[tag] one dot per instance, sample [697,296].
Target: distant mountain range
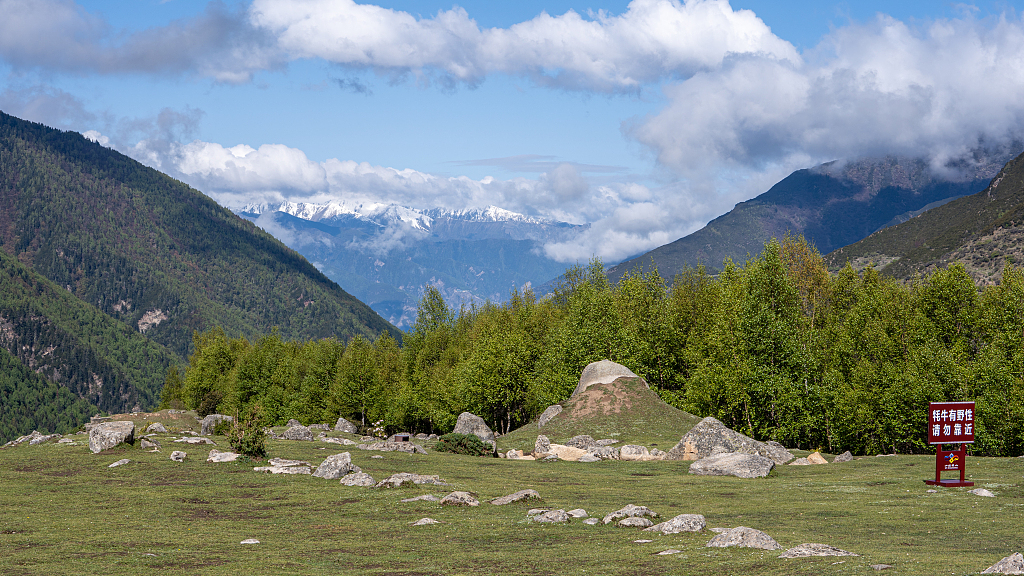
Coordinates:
[108,267]
[832,205]
[387,255]
[983,231]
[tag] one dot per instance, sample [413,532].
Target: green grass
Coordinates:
[65,512]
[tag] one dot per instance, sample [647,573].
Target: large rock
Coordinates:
[681,523]
[106,435]
[844,457]
[816,458]
[299,432]
[210,422]
[549,413]
[469,423]
[567,453]
[733,464]
[156,428]
[711,437]
[336,466]
[744,537]
[602,372]
[808,550]
[343,425]
[542,445]
[516,497]
[459,498]
[629,511]
[1013,564]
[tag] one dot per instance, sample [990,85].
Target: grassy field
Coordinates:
[65,512]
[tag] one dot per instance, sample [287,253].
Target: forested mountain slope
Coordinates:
[153,252]
[831,205]
[982,231]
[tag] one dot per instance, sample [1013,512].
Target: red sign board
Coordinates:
[951,423]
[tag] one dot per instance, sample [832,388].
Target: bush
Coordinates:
[209,403]
[467,444]
[223,428]
[247,436]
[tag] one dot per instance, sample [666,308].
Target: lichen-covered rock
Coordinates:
[293,422]
[156,428]
[629,511]
[343,425]
[209,423]
[578,513]
[178,456]
[542,445]
[1013,564]
[634,452]
[588,457]
[601,372]
[681,523]
[516,497]
[744,537]
[469,423]
[358,479]
[711,437]
[733,464]
[552,516]
[106,435]
[584,442]
[635,522]
[844,457]
[604,452]
[298,433]
[336,466]
[385,446]
[549,413]
[808,550]
[459,498]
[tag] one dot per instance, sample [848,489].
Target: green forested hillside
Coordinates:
[30,402]
[152,252]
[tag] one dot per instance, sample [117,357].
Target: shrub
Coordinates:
[223,428]
[209,403]
[247,436]
[467,444]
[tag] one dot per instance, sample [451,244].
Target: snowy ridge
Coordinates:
[388,214]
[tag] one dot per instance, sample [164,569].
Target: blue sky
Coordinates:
[645,119]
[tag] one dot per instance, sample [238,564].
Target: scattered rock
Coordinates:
[469,423]
[178,456]
[209,423]
[422,436]
[549,413]
[668,552]
[321,427]
[120,462]
[710,436]
[549,458]
[744,537]
[800,462]
[591,521]
[604,452]
[880,566]
[1013,564]
[982,492]
[343,425]
[733,464]
[514,454]
[156,428]
[681,523]
[423,498]
[719,530]
[250,541]
[386,446]
[424,522]
[342,441]
[642,541]
[516,497]
[552,516]
[376,457]
[635,522]
[397,480]
[634,452]
[844,457]
[578,513]
[606,442]
[66,441]
[358,479]
[195,440]
[602,372]
[34,439]
[584,442]
[459,498]
[336,466]
[106,435]
[146,444]
[218,456]
[298,433]
[542,445]
[816,458]
[535,511]
[282,466]
[806,550]
[586,458]
[629,511]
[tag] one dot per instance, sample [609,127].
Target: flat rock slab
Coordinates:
[386,446]
[635,522]
[342,441]
[218,456]
[669,552]
[106,435]
[286,462]
[629,511]
[121,462]
[1013,564]
[681,523]
[178,456]
[401,478]
[336,466]
[591,521]
[195,440]
[284,469]
[744,537]
[516,497]
[357,479]
[733,464]
[880,566]
[811,549]
[250,541]
[982,492]
[423,498]
[459,498]
[588,458]
[552,517]
[424,522]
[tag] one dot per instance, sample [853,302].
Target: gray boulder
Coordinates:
[146,444]
[210,422]
[106,435]
[629,511]
[1013,564]
[156,428]
[459,498]
[601,372]
[635,522]
[516,497]
[218,456]
[469,423]
[710,437]
[844,457]
[178,456]
[552,516]
[343,425]
[549,413]
[733,464]
[357,479]
[744,537]
[588,458]
[681,523]
[542,445]
[591,521]
[604,452]
[298,433]
[808,550]
[336,466]
[585,442]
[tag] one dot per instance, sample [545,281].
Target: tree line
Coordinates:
[777,348]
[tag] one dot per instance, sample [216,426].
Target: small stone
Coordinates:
[250,541]
[1013,564]
[669,552]
[844,457]
[377,457]
[681,523]
[146,444]
[817,458]
[642,541]
[549,458]
[635,522]
[459,498]
[218,456]
[424,522]
[516,497]
[401,478]
[744,537]
[194,440]
[719,530]
[358,479]
[808,550]
[578,513]
[423,498]
[120,462]
[629,511]
[931,491]
[65,441]
[591,521]
[880,566]
[552,516]
[982,492]
[178,456]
